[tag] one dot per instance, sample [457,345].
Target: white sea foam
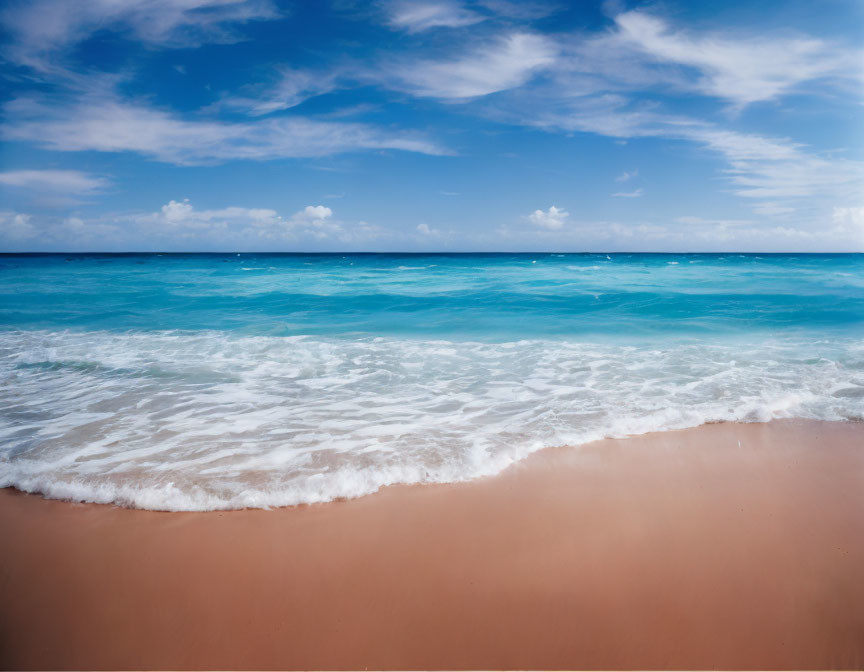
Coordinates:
[206,420]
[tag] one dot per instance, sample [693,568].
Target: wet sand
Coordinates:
[729,546]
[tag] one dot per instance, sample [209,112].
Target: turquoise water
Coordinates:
[225,380]
[485,297]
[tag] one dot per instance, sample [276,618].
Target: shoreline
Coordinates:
[515,464]
[732,545]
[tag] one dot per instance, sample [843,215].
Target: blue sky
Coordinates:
[440,125]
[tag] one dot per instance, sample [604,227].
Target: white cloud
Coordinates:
[81,231]
[315,212]
[714,230]
[850,222]
[508,62]
[21,230]
[644,52]
[623,177]
[630,194]
[778,173]
[233,225]
[523,10]
[693,234]
[414,16]
[42,29]
[182,217]
[110,125]
[292,88]
[552,219]
[777,168]
[16,226]
[179,225]
[315,221]
[740,69]
[845,234]
[771,209]
[58,181]
[426,230]
[691,219]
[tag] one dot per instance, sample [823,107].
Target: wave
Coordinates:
[182,420]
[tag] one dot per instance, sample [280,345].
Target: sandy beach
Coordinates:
[725,546]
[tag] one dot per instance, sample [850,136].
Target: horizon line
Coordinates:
[436,252]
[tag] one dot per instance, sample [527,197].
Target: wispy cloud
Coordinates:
[506,63]
[625,176]
[777,168]
[776,173]
[73,182]
[636,193]
[741,69]
[42,30]
[414,16]
[645,52]
[523,10]
[291,88]
[110,125]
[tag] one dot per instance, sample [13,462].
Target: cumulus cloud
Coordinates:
[625,176]
[850,221]
[239,225]
[314,213]
[413,16]
[16,225]
[315,220]
[424,229]
[179,225]
[552,219]
[111,125]
[26,231]
[505,63]
[183,216]
[57,181]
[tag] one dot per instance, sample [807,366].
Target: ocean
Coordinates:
[221,381]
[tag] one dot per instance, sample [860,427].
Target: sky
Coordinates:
[431,125]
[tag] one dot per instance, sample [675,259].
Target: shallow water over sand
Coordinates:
[196,382]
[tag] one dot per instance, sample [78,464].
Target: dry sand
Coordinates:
[730,546]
